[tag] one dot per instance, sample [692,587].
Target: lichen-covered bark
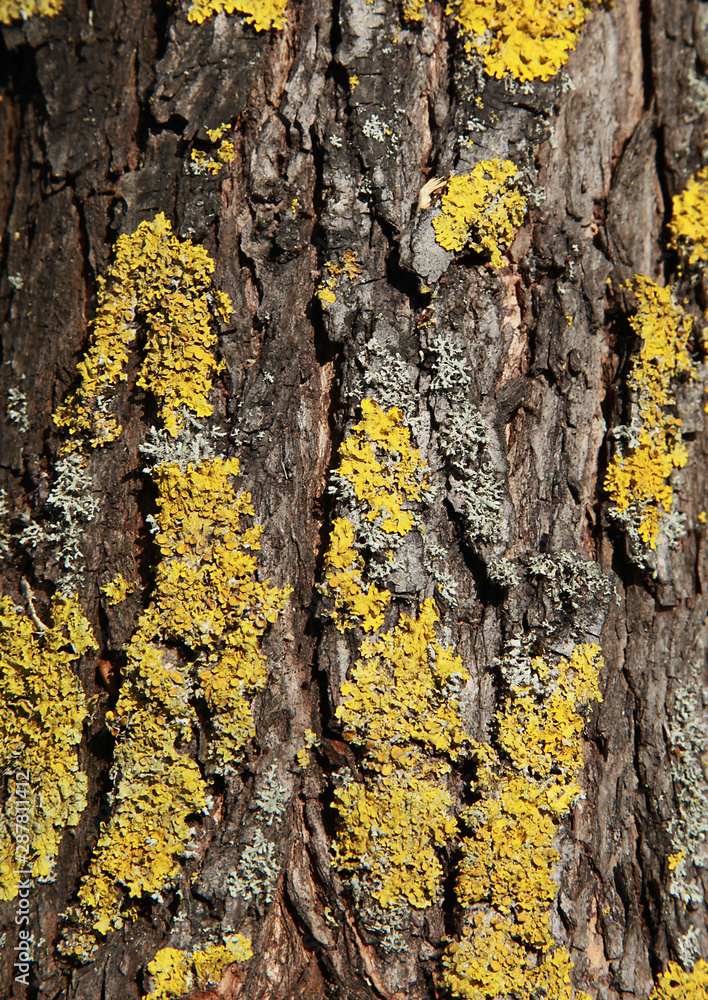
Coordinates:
[317,206]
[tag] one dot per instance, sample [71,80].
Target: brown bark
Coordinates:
[100,108]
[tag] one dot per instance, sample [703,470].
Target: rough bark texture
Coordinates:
[100,107]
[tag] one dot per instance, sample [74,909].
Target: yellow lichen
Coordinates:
[398,706]
[41,725]
[386,476]
[335,269]
[118,589]
[174,972]
[523,39]
[20,10]
[481,210]
[414,10]
[689,219]
[509,856]
[163,284]
[677,984]
[261,14]
[400,711]
[205,598]
[637,479]
[225,152]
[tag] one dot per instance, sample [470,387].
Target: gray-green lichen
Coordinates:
[257,871]
[71,506]
[476,490]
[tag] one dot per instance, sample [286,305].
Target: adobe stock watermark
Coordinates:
[19,810]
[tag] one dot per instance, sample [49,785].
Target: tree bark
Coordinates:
[338,121]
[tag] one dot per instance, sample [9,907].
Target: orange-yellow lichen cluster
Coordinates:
[398,707]
[675,983]
[637,479]
[163,284]
[523,39]
[224,153]
[261,14]
[399,710]
[41,725]
[205,598]
[175,972]
[20,10]
[335,269]
[387,477]
[481,210]
[506,873]
[689,219]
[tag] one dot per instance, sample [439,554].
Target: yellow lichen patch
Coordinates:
[117,590]
[224,153]
[385,476]
[677,984]
[637,479]
[481,210]
[398,693]
[164,284]
[355,603]
[174,972]
[335,269]
[509,855]
[207,599]
[414,10]
[689,219]
[519,38]
[41,725]
[20,10]
[400,710]
[261,14]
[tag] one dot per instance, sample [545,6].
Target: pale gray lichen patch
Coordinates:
[257,871]
[191,445]
[72,506]
[272,797]
[475,489]
[16,408]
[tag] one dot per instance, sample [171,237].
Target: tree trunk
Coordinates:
[319,220]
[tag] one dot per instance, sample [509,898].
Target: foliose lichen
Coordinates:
[20,10]
[687,730]
[260,14]
[481,210]
[651,446]
[202,162]
[506,874]
[174,972]
[675,983]
[257,870]
[380,481]
[41,726]
[400,709]
[117,590]
[522,40]
[399,705]
[575,588]
[346,265]
[163,284]
[689,219]
[206,599]
[71,505]
[16,408]
[475,488]
[198,640]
